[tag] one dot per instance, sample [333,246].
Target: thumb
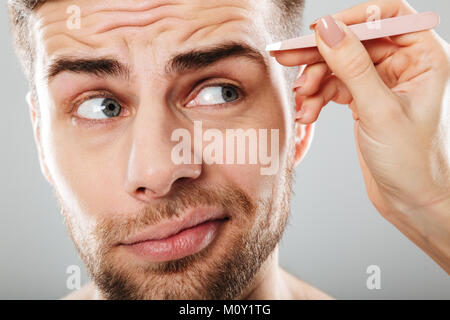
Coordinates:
[350,62]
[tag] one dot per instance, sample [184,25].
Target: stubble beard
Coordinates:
[205,275]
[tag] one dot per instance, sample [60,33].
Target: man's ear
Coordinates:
[304,134]
[303,137]
[35,121]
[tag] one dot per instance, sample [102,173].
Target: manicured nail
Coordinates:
[313,25]
[300,82]
[300,113]
[301,77]
[330,32]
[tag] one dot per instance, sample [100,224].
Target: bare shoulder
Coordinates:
[301,290]
[87,292]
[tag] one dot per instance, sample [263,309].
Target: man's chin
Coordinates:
[222,270]
[191,277]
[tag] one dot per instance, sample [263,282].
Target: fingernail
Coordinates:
[330,32]
[313,25]
[300,82]
[300,113]
[301,77]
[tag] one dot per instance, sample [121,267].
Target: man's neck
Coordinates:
[268,283]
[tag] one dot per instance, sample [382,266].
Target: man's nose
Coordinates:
[151,173]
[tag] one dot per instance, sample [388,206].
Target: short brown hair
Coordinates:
[286,22]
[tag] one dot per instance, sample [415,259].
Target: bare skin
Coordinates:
[72,148]
[83,159]
[398,91]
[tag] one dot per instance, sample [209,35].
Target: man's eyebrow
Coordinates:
[102,66]
[202,58]
[187,61]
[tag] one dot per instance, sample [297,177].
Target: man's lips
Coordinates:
[175,239]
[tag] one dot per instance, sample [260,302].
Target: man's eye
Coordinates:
[215,95]
[99,108]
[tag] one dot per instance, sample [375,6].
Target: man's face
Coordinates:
[112,93]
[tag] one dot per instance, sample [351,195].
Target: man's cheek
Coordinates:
[248,178]
[87,182]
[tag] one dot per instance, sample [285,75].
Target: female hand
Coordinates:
[399,91]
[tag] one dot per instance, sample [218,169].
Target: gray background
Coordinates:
[334,232]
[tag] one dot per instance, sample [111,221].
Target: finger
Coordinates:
[378,49]
[291,58]
[390,72]
[311,79]
[349,60]
[332,90]
[409,39]
[372,10]
[298,105]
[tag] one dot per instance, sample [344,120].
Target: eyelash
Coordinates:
[198,88]
[89,123]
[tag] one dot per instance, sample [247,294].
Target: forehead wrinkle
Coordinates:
[123,15]
[205,21]
[214,21]
[146,18]
[144,22]
[106,20]
[81,41]
[171,12]
[99,6]
[89,41]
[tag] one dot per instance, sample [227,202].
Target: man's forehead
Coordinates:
[165,27]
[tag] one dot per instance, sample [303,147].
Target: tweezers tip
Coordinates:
[273,47]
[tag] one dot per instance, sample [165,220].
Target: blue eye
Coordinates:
[215,95]
[99,108]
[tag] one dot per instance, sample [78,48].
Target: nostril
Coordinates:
[181,180]
[141,190]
